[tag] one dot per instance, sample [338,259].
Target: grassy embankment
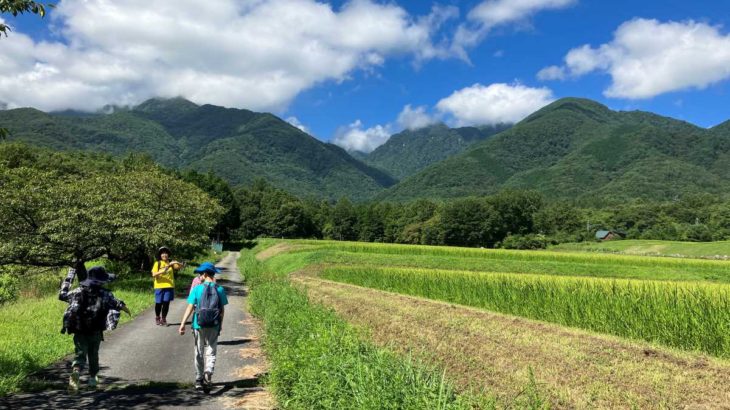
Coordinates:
[319,361]
[707,250]
[31,325]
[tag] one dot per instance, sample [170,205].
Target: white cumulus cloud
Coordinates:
[494,104]
[493,13]
[354,137]
[647,58]
[257,54]
[415,118]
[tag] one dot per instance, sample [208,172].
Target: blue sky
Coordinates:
[346,71]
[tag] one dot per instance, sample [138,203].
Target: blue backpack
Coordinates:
[209,307]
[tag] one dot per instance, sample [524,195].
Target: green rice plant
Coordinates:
[607,268]
[319,361]
[689,316]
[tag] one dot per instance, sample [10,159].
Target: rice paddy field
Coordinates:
[706,250]
[537,329]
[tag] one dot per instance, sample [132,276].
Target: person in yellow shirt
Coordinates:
[163,273]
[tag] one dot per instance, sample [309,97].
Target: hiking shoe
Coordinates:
[157,321]
[163,322]
[73,381]
[198,385]
[94,381]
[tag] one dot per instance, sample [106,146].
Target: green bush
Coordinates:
[525,242]
[8,288]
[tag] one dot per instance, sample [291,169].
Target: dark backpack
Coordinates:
[86,313]
[209,307]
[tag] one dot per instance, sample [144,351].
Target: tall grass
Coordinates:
[318,361]
[688,316]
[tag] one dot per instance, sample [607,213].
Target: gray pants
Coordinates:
[206,344]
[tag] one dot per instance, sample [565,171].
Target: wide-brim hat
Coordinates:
[163,249]
[97,276]
[207,267]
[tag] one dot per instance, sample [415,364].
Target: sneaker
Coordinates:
[73,381]
[157,321]
[94,381]
[207,376]
[198,385]
[163,322]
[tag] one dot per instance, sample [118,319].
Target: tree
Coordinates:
[470,222]
[16,7]
[219,189]
[84,206]
[343,221]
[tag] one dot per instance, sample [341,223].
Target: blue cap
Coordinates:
[207,267]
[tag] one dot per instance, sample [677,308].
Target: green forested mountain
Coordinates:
[577,148]
[239,145]
[410,151]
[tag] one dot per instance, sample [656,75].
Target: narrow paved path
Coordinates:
[145,366]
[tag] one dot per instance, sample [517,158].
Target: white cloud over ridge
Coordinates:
[494,104]
[647,58]
[257,54]
[415,118]
[294,121]
[354,138]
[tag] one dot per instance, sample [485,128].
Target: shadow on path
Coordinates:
[153,396]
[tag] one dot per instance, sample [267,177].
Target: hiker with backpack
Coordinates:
[163,273]
[206,301]
[92,309]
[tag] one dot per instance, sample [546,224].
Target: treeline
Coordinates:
[509,219]
[57,206]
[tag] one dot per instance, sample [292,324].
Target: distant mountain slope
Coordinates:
[410,151]
[577,148]
[239,145]
[116,133]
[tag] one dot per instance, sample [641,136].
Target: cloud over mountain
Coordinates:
[494,104]
[253,54]
[354,137]
[648,57]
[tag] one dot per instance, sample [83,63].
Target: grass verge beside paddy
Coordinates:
[31,338]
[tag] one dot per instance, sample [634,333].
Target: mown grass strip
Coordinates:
[688,316]
[318,361]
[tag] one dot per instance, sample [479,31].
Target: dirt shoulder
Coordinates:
[482,350]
